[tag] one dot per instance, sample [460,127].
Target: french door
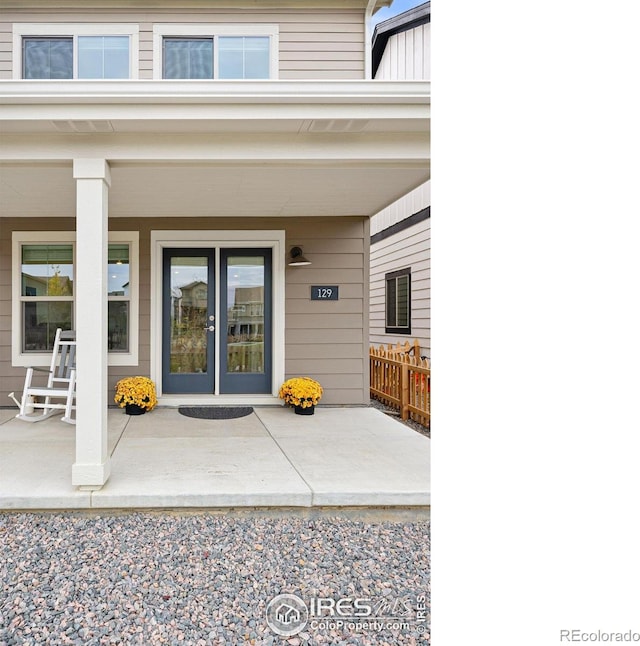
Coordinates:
[188,321]
[217,321]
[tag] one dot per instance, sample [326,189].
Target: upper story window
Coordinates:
[243,57]
[103,57]
[71,51]
[47,58]
[187,58]
[215,51]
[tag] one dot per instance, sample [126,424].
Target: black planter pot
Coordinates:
[134,409]
[310,410]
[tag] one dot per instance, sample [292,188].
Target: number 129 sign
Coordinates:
[324,292]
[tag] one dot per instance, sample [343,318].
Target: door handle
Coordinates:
[209,328]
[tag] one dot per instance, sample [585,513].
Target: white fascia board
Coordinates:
[165,114]
[32,101]
[213,92]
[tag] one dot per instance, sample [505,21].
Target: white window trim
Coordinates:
[25,359]
[211,31]
[23,29]
[275,239]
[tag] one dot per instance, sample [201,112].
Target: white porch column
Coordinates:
[91,469]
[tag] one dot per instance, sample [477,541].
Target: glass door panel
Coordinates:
[245,314]
[245,311]
[188,321]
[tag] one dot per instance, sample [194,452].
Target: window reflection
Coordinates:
[47,294]
[47,270]
[189,302]
[118,270]
[118,326]
[245,314]
[40,321]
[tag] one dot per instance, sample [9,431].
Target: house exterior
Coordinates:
[400,308]
[158,162]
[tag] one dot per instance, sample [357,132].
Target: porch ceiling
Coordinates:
[206,189]
[271,149]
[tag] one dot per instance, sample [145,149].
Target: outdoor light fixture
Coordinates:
[296,259]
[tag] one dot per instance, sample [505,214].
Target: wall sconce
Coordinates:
[296,259]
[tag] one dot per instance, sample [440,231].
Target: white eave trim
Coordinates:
[213,92]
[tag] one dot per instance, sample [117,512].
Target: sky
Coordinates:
[397,6]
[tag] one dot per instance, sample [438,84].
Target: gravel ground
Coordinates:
[168,578]
[423,430]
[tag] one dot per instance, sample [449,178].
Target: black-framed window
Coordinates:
[398,302]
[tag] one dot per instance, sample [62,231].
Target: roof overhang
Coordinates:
[241,148]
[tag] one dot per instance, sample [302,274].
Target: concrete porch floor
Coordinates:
[343,457]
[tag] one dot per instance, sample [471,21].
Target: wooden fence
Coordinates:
[401,379]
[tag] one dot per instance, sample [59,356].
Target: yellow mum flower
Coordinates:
[140,391]
[301,391]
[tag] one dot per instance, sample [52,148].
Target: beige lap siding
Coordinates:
[326,340]
[314,43]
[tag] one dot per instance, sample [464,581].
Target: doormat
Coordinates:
[215,412]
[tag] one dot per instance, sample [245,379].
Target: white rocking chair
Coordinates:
[61,383]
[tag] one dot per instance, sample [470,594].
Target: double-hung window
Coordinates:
[71,51]
[44,294]
[398,302]
[215,51]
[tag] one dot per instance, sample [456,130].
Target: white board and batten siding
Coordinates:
[313,43]
[402,208]
[407,55]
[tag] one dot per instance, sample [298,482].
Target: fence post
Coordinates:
[404,390]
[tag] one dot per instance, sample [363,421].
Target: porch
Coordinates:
[341,456]
[156,165]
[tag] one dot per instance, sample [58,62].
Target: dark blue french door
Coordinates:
[245,321]
[189,326]
[190,333]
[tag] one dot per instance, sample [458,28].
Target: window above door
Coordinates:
[75,51]
[215,51]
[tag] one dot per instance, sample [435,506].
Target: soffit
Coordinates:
[169,126]
[327,149]
[206,189]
